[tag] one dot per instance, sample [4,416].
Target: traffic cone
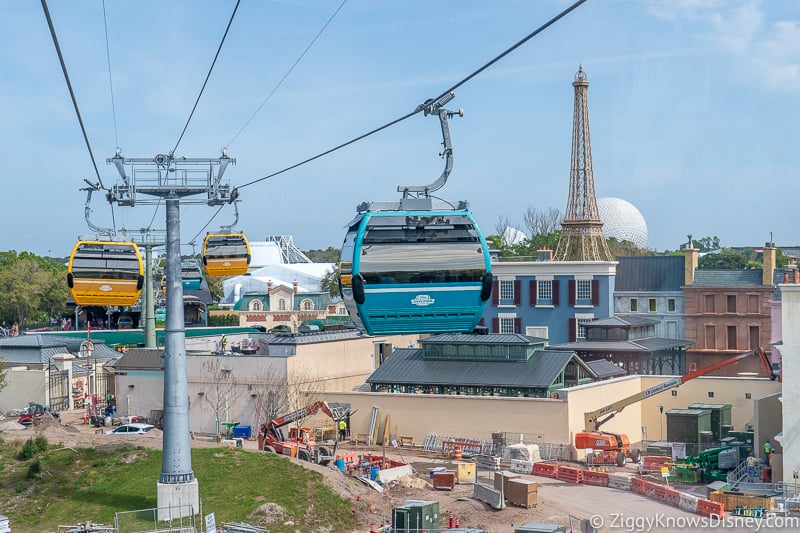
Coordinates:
[457,455]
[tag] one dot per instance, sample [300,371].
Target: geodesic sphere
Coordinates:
[622,221]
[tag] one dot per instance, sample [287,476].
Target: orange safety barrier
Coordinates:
[591,477]
[672,497]
[637,485]
[569,474]
[654,490]
[348,458]
[545,469]
[708,508]
[655,462]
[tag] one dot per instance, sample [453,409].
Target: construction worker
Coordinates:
[751,468]
[342,430]
[767,452]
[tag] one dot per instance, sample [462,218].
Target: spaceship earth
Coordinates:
[622,221]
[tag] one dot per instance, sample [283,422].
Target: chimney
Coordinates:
[785,276]
[543,254]
[269,285]
[796,278]
[294,286]
[689,264]
[768,264]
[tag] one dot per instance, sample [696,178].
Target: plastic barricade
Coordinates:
[592,477]
[545,470]
[688,502]
[654,490]
[708,508]
[521,466]
[655,462]
[637,485]
[569,474]
[672,497]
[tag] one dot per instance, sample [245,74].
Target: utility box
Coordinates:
[444,480]
[414,516]
[502,478]
[686,425]
[720,416]
[522,492]
[465,472]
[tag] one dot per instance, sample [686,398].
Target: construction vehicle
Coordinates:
[300,442]
[36,412]
[614,448]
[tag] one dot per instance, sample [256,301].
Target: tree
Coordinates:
[725,259]
[330,281]
[625,248]
[220,389]
[542,222]
[3,376]
[32,287]
[329,255]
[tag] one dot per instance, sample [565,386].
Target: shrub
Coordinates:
[34,470]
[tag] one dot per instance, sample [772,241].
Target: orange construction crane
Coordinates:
[300,442]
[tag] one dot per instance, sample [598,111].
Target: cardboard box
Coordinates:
[444,480]
[522,492]
[501,479]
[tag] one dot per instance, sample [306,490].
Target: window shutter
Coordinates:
[556,293]
[517,325]
[495,293]
[533,288]
[573,330]
[595,292]
[495,325]
[517,292]
[571,296]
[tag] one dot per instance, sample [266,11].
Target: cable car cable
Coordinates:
[192,240]
[427,103]
[211,68]
[71,91]
[110,82]
[277,85]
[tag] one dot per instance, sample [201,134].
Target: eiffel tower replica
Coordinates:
[582,230]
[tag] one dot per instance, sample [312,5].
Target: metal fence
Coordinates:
[184,519]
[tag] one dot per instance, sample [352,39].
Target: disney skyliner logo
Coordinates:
[422,300]
[692,523]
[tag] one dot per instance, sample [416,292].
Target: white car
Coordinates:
[5,524]
[136,428]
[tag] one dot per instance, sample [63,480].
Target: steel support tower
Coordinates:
[173,181]
[582,230]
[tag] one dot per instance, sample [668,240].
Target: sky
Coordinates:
[693,110]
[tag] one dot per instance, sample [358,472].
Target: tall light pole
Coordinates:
[661,421]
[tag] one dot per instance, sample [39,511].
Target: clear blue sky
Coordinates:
[693,110]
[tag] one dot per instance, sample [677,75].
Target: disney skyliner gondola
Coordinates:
[227,252]
[419,265]
[103,271]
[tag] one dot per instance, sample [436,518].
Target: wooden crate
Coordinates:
[731,500]
[522,492]
[501,479]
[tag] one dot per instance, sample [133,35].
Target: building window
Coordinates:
[634,305]
[308,305]
[536,331]
[255,305]
[710,394]
[281,305]
[731,299]
[709,303]
[752,303]
[652,305]
[711,338]
[581,323]
[731,337]
[544,292]
[583,290]
[507,325]
[341,311]
[754,337]
[671,305]
[506,290]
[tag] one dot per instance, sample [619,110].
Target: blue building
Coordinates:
[549,299]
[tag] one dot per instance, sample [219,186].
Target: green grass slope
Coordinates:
[43,486]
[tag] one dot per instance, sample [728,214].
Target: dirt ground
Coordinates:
[558,502]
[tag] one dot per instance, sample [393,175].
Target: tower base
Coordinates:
[177,500]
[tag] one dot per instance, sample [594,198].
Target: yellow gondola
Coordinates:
[226,254]
[164,284]
[105,273]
